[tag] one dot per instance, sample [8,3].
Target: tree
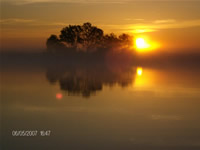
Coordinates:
[53,43]
[110,40]
[92,36]
[87,38]
[84,37]
[71,35]
[126,40]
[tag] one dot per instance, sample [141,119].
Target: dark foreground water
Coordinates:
[100,107]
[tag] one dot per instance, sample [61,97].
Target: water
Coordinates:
[101,108]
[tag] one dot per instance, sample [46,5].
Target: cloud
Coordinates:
[154,26]
[31,22]
[141,27]
[24,2]
[166,117]
[15,20]
[143,30]
[165,21]
[50,24]
[173,24]
[130,19]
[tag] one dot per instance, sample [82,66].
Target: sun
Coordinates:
[141,43]
[144,44]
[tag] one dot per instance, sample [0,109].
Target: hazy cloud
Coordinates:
[22,2]
[166,117]
[130,19]
[165,21]
[154,26]
[30,22]
[15,20]
[140,25]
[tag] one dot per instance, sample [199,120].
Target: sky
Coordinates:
[175,24]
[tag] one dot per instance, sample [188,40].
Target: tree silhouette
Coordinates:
[87,38]
[126,40]
[82,37]
[91,36]
[71,35]
[54,43]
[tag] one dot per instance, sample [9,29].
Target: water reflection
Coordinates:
[139,71]
[153,111]
[86,80]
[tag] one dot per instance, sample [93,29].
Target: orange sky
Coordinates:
[26,24]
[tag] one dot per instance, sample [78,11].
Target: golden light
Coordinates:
[139,71]
[144,78]
[143,44]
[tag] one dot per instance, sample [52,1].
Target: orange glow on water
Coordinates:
[144,78]
[139,71]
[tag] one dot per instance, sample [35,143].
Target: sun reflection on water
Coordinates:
[144,77]
[139,71]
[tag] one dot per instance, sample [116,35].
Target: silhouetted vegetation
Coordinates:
[86,80]
[87,38]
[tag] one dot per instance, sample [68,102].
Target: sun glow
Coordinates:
[139,71]
[144,78]
[143,44]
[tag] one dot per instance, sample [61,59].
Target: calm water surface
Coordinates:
[101,108]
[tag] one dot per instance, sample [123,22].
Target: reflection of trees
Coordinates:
[88,79]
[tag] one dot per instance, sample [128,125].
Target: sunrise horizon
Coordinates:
[100,74]
[170,30]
